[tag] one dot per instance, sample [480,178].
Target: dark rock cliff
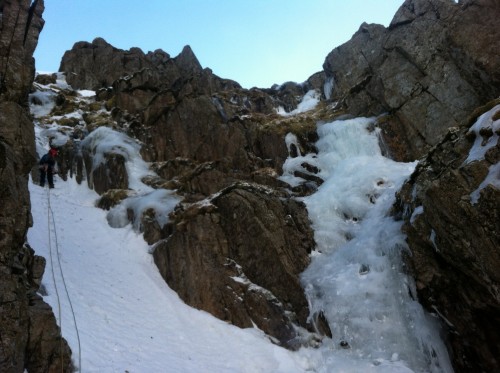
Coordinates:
[29,336]
[434,64]
[98,64]
[240,258]
[452,221]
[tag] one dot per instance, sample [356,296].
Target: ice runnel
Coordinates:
[356,276]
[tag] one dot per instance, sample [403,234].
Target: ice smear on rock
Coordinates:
[488,123]
[309,102]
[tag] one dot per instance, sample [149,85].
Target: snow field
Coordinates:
[127,316]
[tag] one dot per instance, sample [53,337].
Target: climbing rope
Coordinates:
[50,218]
[54,278]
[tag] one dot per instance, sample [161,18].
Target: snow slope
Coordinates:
[128,318]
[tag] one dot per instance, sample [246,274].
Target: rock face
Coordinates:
[98,65]
[455,240]
[240,257]
[29,336]
[429,69]
[179,110]
[111,174]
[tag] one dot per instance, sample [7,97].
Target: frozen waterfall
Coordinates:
[357,277]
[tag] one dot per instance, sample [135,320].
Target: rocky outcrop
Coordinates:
[237,227]
[98,65]
[429,69]
[179,110]
[451,216]
[110,174]
[29,336]
[238,256]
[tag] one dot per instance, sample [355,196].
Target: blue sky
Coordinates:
[255,42]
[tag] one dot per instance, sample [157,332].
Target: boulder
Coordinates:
[239,257]
[46,79]
[98,64]
[451,218]
[290,94]
[111,173]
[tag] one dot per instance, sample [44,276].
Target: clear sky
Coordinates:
[254,42]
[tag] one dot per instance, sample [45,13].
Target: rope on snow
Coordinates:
[50,218]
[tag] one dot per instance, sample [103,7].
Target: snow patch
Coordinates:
[104,140]
[481,145]
[485,123]
[56,136]
[86,93]
[61,81]
[309,102]
[162,201]
[127,316]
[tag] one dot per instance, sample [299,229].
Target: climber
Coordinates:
[47,167]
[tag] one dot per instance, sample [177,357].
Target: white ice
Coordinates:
[328,87]
[356,277]
[481,146]
[308,102]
